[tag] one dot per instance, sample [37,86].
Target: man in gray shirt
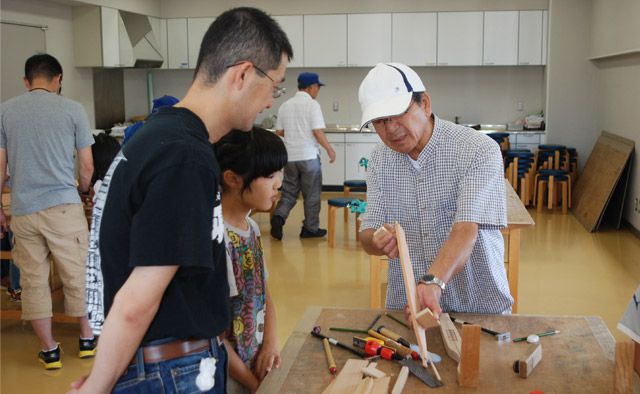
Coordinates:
[39,132]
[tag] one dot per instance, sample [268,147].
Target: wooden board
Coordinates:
[583,346]
[602,171]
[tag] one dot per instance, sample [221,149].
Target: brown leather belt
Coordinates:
[172,350]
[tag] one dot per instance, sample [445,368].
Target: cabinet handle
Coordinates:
[430,63]
[524,63]
[443,63]
[489,63]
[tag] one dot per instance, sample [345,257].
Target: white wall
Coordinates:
[572,107]
[77,82]
[615,30]
[475,94]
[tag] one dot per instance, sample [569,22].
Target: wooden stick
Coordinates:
[400,381]
[469,366]
[623,373]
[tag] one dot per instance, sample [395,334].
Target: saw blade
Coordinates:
[419,372]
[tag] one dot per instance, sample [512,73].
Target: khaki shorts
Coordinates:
[62,232]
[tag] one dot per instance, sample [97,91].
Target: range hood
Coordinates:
[138,44]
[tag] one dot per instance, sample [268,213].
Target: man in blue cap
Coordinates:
[301,124]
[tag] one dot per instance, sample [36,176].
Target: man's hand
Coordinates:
[384,239]
[268,358]
[429,297]
[76,385]
[332,155]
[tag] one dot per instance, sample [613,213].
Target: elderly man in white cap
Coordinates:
[444,184]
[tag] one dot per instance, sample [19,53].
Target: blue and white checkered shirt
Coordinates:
[460,179]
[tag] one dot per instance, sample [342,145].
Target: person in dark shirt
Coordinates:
[157,255]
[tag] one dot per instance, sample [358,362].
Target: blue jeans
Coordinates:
[173,376]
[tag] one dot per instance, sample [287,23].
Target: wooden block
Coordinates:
[426,319]
[380,232]
[373,372]
[623,373]
[349,377]
[450,337]
[469,367]
[400,381]
[381,386]
[533,357]
[365,386]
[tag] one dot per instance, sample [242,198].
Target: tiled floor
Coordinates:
[564,271]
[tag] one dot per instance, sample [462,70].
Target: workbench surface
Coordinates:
[579,359]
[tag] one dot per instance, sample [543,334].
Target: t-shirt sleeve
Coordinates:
[374,215]
[317,120]
[83,134]
[175,224]
[481,197]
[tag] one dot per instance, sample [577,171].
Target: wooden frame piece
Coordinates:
[348,378]
[469,366]
[623,372]
[450,337]
[410,290]
[525,367]
[400,381]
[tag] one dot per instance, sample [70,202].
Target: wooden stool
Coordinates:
[334,204]
[355,185]
[550,179]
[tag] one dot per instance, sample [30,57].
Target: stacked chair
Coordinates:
[502,139]
[556,170]
[520,171]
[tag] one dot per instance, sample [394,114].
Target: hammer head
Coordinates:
[505,336]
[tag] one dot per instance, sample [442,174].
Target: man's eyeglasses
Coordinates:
[386,121]
[277,90]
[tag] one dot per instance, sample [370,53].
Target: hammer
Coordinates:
[500,336]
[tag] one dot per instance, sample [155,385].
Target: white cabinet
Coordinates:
[530,38]
[414,38]
[500,38]
[333,173]
[109,18]
[159,28]
[545,26]
[177,50]
[325,40]
[196,28]
[358,146]
[368,39]
[293,26]
[460,38]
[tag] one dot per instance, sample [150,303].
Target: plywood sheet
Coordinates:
[598,180]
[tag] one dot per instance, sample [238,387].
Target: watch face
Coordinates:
[428,277]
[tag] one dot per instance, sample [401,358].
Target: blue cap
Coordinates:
[308,79]
[164,101]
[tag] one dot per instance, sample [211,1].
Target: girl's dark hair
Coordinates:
[103,150]
[254,154]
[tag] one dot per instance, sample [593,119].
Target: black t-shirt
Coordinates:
[163,209]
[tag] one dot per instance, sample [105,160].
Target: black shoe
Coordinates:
[51,359]
[87,347]
[304,233]
[276,227]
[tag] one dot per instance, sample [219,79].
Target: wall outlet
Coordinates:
[520,106]
[336,106]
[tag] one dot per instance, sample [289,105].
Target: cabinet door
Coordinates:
[159,28]
[325,40]
[545,26]
[368,39]
[530,38]
[293,27]
[460,38]
[177,50]
[500,38]
[196,28]
[333,173]
[124,45]
[110,37]
[354,152]
[414,38]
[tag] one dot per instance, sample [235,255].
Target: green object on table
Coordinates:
[348,330]
[543,334]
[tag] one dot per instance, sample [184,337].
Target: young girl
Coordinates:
[250,164]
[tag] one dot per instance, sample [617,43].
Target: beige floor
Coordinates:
[564,271]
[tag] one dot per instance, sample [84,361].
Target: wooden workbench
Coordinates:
[518,218]
[577,360]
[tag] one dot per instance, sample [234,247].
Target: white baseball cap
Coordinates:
[387,90]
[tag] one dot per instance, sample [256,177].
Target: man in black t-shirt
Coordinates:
[156,266]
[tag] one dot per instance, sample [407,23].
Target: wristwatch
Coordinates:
[429,279]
